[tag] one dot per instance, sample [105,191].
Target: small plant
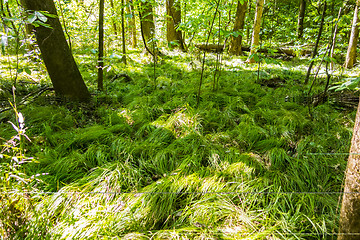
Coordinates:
[15,202]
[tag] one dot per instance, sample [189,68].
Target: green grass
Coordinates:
[238,166]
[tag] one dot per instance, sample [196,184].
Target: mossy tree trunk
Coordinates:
[350,208]
[300,26]
[236,41]
[173,35]
[255,39]
[55,52]
[351,51]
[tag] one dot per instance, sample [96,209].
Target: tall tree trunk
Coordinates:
[300,26]
[350,208]
[147,23]
[351,51]
[255,39]
[173,10]
[55,52]
[132,23]
[236,42]
[123,31]
[101,46]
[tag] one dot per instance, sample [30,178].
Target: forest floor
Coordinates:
[143,160]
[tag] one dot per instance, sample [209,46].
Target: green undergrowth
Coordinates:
[143,161]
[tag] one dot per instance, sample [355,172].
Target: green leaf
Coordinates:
[31,18]
[28,71]
[41,17]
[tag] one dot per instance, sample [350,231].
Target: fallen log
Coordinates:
[279,50]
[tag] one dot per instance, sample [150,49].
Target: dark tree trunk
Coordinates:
[55,52]
[147,21]
[301,17]
[123,31]
[350,208]
[101,46]
[236,42]
[173,10]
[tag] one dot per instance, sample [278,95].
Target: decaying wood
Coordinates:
[279,50]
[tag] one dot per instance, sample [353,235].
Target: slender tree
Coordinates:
[55,52]
[101,46]
[255,39]
[113,17]
[314,53]
[173,10]
[300,26]
[351,51]
[123,31]
[236,41]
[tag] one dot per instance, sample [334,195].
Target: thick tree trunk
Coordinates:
[255,39]
[236,42]
[300,27]
[55,52]
[351,52]
[350,208]
[173,10]
[147,21]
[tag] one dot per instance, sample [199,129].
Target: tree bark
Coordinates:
[123,31]
[255,39]
[300,27]
[351,51]
[350,208]
[236,42]
[173,35]
[147,22]
[55,52]
[132,23]
[101,46]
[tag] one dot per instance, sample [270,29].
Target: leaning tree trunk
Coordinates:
[351,52]
[300,27]
[255,40]
[173,35]
[236,41]
[55,52]
[349,228]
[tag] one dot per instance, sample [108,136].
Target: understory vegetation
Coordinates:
[142,161]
